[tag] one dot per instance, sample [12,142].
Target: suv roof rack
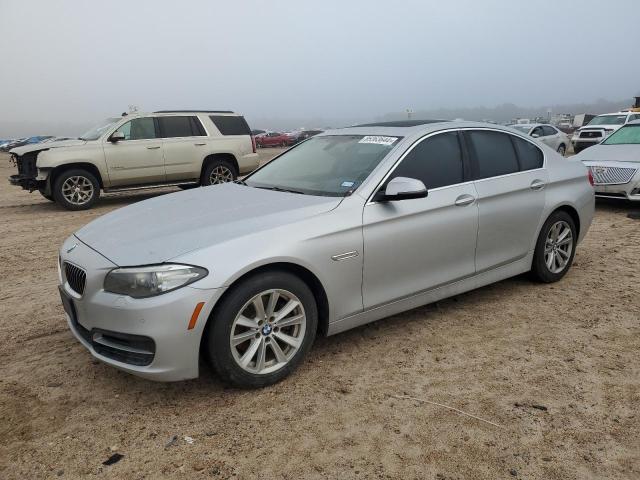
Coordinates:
[193,111]
[400,123]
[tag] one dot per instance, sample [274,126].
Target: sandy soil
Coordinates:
[571,349]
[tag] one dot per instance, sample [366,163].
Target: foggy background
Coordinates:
[284,64]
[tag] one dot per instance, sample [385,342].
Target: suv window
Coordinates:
[231,125]
[437,161]
[174,126]
[139,129]
[548,130]
[494,153]
[530,156]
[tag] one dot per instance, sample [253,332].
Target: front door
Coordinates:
[415,245]
[138,159]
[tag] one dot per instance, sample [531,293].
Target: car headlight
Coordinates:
[152,280]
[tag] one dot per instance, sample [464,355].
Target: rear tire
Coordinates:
[272,340]
[555,248]
[217,172]
[76,189]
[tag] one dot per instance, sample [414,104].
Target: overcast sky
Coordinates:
[78,61]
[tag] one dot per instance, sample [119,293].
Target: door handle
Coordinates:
[464,200]
[153,147]
[199,144]
[537,185]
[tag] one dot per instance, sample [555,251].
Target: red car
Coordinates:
[273,139]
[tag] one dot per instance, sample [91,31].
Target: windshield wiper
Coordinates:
[280,189]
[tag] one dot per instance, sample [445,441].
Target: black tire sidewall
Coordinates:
[60,179]
[219,328]
[539,267]
[206,173]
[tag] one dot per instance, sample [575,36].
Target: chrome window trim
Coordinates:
[458,129]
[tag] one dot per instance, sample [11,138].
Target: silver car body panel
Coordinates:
[372,259]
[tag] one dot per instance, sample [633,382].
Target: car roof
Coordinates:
[613,114]
[194,111]
[406,131]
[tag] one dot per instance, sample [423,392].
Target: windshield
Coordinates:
[629,135]
[522,128]
[97,131]
[608,120]
[331,165]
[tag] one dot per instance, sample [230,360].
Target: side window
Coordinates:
[230,125]
[437,161]
[179,127]
[549,131]
[537,131]
[493,152]
[139,129]
[530,156]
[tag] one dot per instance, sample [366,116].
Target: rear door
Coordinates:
[510,181]
[184,142]
[419,244]
[138,159]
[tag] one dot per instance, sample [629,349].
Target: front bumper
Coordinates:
[627,188]
[146,337]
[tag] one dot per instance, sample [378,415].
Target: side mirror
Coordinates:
[116,136]
[402,188]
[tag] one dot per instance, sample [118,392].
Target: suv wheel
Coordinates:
[76,189]
[218,171]
[555,248]
[262,330]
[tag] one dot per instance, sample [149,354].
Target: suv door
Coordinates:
[184,141]
[138,158]
[510,181]
[416,245]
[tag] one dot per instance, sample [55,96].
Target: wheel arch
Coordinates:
[212,157]
[572,212]
[306,275]
[56,171]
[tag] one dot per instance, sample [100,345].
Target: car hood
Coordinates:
[604,153]
[36,147]
[162,228]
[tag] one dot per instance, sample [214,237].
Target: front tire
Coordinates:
[555,248]
[48,197]
[262,330]
[76,189]
[217,172]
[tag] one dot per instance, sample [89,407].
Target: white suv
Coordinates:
[184,148]
[599,128]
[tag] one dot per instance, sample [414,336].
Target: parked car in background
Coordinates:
[183,148]
[256,132]
[547,134]
[272,139]
[348,227]
[615,163]
[599,128]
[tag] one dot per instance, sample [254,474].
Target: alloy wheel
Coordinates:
[220,174]
[558,246]
[77,190]
[268,331]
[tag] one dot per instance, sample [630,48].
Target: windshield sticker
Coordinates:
[348,184]
[378,140]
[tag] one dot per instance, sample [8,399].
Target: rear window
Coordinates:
[230,125]
[177,126]
[530,156]
[494,153]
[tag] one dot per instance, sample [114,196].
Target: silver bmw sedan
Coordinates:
[348,227]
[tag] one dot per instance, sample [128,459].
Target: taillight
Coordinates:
[590,175]
[253,143]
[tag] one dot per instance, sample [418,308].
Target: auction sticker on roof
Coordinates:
[378,140]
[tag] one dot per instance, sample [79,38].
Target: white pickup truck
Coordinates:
[599,128]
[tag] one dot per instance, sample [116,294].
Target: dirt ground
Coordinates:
[556,368]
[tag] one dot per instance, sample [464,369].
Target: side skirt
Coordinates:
[485,278]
